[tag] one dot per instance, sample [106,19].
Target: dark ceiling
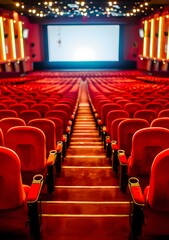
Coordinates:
[70,8]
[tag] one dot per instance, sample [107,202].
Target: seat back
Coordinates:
[114,129]
[7,123]
[154,106]
[106,108]
[18,107]
[28,115]
[8,113]
[156,197]
[63,107]
[147,114]
[164,113]
[59,127]
[158,193]
[126,129]
[160,122]
[49,128]
[146,144]
[112,115]
[131,108]
[12,193]
[42,108]
[30,145]
[62,115]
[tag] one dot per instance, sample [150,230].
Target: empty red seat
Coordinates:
[8,113]
[154,106]
[7,123]
[30,145]
[18,202]
[151,208]
[160,122]
[163,113]
[18,107]
[29,114]
[49,128]
[146,144]
[42,108]
[147,114]
[131,108]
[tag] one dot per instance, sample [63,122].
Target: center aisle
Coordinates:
[87,203]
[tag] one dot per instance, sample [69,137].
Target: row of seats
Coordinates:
[135,138]
[33,143]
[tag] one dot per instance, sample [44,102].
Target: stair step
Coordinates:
[87,176]
[85,139]
[80,135]
[82,130]
[86,161]
[83,143]
[85,207]
[86,194]
[86,150]
[82,227]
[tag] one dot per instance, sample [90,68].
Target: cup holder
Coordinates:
[52,152]
[121,152]
[38,178]
[133,181]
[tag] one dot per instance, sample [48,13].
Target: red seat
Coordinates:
[8,102]
[147,114]
[62,115]
[30,145]
[3,106]
[59,133]
[111,116]
[7,123]
[160,122]
[42,108]
[126,130]
[28,102]
[49,128]
[28,115]
[18,202]
[105,108]
[163,113]
[18,107]
[131,108]
[8,113]
[154,106]
[146,144]
[152,208]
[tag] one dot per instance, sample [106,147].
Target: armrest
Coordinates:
[104,129]
[68,129]
[52,158]
[96,115]
[70,123]
[122,157]
[59,146]
[114,145]
[99,121]
[136,191]
[35,189]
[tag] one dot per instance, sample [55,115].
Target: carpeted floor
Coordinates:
[87,203]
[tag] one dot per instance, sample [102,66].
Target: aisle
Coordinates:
[87,203]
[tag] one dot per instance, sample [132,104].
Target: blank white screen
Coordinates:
[83,43]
